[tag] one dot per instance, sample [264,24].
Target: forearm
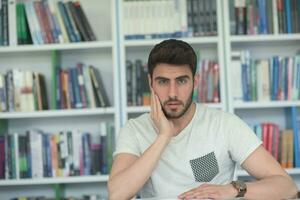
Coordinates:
[274,187]
[128,182]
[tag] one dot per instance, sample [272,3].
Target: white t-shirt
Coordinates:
[206,150]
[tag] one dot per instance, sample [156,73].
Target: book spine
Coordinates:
[66,21]
[288,14]
[78,21]
[72,22]
[40,17]
[86,23]
[10,22]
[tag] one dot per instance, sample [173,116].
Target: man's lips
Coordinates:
[173,105]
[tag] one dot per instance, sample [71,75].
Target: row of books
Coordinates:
[202,17]
[208,89]
[288,14]
[138,92]
[249,17]
[275,78]
[44,22]
[22,91]
[80,87]
[38,154]
[84,197]
[280,144]
[177,18]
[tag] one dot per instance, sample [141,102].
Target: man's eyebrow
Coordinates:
[182,77]
[177,78]
[161,78]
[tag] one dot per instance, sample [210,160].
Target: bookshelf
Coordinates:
[261,46]
[103,55]
[208,47]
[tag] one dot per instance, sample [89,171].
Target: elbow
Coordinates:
[115,193]
[112,193]
[294,190]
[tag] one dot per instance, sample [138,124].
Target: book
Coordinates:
[85,21]
[99,89]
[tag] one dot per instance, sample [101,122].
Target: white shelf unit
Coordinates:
[58,180]
[264,38]
[59,113]
[292,171]
[103,55]
[260,46]
[210,47]
[57,47]
[266,104]
[148,42]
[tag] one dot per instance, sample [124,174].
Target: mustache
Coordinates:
[172,100]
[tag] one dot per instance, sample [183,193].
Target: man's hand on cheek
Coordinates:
[162,124]
[210,191]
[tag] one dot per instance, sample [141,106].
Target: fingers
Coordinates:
[187,193]
[204,191]
[158,106]
[153,104]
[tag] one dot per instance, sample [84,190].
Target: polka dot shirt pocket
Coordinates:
[205,168]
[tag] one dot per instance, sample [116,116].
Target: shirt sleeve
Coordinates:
[127,141]
[242,141]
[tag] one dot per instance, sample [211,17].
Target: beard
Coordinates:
[181,110]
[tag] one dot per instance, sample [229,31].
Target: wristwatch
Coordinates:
[240,186]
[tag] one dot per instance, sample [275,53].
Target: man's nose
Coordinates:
[173,89]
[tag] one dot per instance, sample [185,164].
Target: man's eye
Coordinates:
[162,82]
[182,81]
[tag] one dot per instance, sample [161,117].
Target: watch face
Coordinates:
[241,185]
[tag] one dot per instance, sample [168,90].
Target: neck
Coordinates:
[183,121]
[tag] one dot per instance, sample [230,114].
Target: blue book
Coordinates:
[71,91]
[275,77]
[49,156]
[288,13]
[66,21]
[263,27]
[76,89]
[86,143]
[292,123]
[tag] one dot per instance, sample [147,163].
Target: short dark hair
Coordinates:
[172,51]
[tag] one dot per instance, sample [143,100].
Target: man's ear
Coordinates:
[196,80]
[149,81]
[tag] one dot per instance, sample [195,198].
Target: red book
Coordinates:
[270,137]
[276,142]
[265,135]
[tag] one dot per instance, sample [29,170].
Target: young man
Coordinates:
[186,150]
